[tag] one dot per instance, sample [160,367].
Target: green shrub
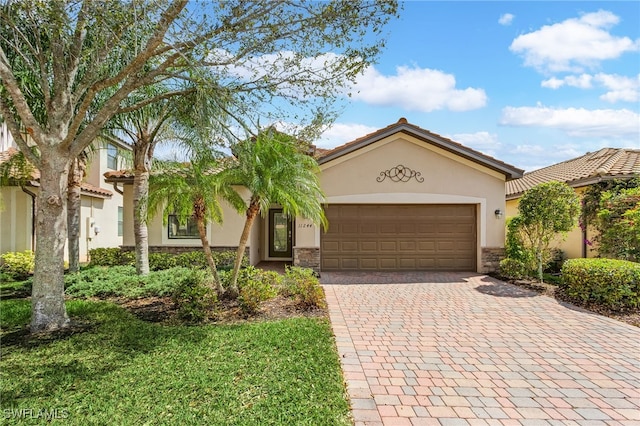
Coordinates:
[611,283]
[303,285]
[194,299]
[18,265]
[192,259]
[513,268]
[111,256]
[255,286]
[122,281]
[104,281]
[161,261]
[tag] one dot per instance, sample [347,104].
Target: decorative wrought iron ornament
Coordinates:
[400,173]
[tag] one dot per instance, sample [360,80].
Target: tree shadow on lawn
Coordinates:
[102,338]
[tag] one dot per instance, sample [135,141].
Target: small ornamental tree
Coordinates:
[546,210]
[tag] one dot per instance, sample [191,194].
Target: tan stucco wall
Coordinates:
[448,179]
[571,245]
[226,234]
[15,220]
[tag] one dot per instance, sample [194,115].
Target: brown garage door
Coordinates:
[400,237]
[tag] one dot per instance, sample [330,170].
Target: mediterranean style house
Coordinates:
[101,212]
[579,173]
[400,198]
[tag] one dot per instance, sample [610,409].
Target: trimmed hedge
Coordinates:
[611,283]
[114,256]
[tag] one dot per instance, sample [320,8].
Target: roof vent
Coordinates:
[402,120]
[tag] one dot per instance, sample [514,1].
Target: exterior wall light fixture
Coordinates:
[499,214]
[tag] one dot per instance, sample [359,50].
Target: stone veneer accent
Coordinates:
[490,259]
[307,257]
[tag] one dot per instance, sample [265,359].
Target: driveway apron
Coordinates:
[463,349]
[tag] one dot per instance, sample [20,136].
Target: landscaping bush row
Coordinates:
[611,283]
[191,288]
[115,256]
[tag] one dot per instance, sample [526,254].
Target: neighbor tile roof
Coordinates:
[607,163]
[85,187]
[402,125]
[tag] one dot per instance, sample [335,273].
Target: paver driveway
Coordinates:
[456,349]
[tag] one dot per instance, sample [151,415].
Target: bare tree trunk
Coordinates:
[142,156]
[76,174]
[48,311]
[252,213]
[202,230]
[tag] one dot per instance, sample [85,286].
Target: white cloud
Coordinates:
[620,88]
[281,68]
[553,83]
[506,19]
[626,89]
[417,89]
[340,133]
[578,122]
[480,141]
[574,44]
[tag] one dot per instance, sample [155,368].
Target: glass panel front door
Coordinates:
[280,237]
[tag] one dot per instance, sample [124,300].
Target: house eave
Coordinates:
[590,180]
[508,171]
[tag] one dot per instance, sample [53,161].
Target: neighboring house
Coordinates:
[101,215]
[401,198]
[579,173]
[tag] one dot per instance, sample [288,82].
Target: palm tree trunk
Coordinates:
[202,230]
[76,173]
[142,156]
[48,311]
[252,213]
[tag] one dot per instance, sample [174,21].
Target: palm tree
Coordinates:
[194,190]
[145,128]
[276,169]
[169,118]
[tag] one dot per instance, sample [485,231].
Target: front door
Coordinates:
[280,234]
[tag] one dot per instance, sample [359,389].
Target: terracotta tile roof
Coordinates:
[402,125]
[85,188]
[607,163]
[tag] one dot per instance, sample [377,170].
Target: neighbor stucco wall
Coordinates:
[448,179]
[15,222]
[15,219]
[102,213]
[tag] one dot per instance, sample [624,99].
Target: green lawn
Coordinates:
[124,371]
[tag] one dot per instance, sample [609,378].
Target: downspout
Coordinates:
[33,216]
[118,190]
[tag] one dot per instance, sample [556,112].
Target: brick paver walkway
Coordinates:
[460,349]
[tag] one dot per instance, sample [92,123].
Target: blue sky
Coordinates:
[530,83]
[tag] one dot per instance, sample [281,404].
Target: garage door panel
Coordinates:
[368,263]
[400,237]
[389,263]
[407,246]
[368,246]
[388,246]
[349,246]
